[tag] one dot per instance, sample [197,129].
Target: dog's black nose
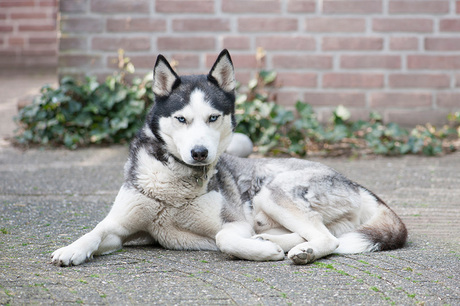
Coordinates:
[199,153]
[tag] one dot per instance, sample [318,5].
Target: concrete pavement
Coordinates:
[51,197]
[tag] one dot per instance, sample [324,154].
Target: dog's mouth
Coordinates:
[198,165]
[195,163]
[198,156]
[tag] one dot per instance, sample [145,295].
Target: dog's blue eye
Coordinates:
[213,118]
[181,119]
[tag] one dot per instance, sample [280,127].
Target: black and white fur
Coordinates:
[182,191]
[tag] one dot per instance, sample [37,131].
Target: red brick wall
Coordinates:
[28,33]
[401,58]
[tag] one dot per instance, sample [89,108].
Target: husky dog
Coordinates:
[183,192]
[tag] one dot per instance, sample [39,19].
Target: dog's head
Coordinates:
[194,115]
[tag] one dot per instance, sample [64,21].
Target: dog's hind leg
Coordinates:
[123,221]
[235,239]
[308,224]
[382,228]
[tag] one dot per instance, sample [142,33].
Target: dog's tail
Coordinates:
[384,230]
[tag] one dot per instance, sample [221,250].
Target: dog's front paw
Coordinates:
[265,250]
[302,255]
[271,251]
[69,256]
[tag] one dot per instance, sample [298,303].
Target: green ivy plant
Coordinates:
[276,130]
[79,114]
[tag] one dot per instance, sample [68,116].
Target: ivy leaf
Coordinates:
[252,84]
[267,76]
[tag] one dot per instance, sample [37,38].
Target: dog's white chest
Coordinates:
[162,183]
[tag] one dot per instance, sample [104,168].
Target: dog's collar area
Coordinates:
[201,179]
[202,171]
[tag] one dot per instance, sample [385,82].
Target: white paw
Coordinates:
[277,253]
[70,256]
[269,251]
[302,255]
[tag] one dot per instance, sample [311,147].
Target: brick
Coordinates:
[16,41]
[301,6]
[120,6]
[326,24]
[352,43]
[352,7]
[236,42]
[47,3]
[400,99]
[51,51]
[449,25]
[442,43]
[400,80]
[243,77]
[37,28]
[302,61]
[73,43]
[82,25]
[418,7]
[352,80]
[370,61]
[17,3]
[286,43]
[6,28]
[349,99]
[202,24]
[7,52]
[287,98]
[448,99]
[186,43]
[273,24]
[38,61]
[80,60]
[126,43]
[73,6]
[43,40]
[185,6]
[418,25]
[136,25]
[187,61]
[255,7]
[294,79]
[447,62]
[403,43]
[240,61]
[457,7]
[28,15]
[411,117]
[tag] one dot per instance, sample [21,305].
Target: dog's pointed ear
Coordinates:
[222,72]
[164,77]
